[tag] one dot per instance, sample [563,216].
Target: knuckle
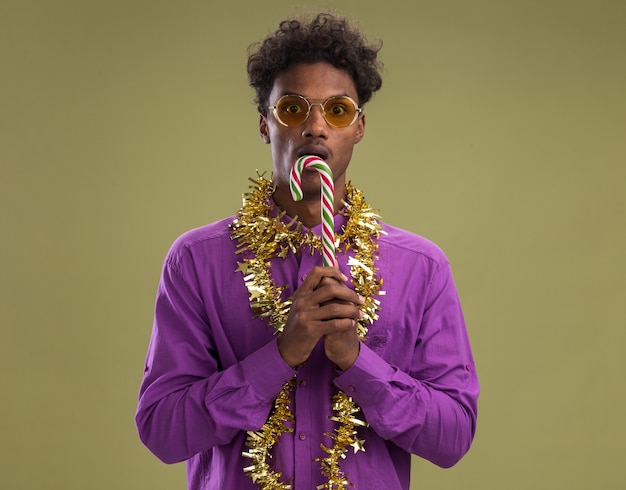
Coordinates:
[335,310]
[341,324]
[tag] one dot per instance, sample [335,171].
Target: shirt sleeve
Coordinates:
[187,402]
[430,409]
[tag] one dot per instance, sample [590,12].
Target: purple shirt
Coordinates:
[213,370]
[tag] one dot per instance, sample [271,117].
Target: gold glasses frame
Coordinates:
[323,105]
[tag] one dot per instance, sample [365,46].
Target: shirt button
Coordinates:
[303,277]
[302,436]
[302,383]
[351,389]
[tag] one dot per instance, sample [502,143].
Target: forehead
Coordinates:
[313,81]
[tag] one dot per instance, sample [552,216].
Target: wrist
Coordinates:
[347,360]
[294,362]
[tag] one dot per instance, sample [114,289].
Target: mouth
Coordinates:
[314,151]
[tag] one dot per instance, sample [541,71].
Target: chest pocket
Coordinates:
[378,335]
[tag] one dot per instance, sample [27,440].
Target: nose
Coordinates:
[315,125]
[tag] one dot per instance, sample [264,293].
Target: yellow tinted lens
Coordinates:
[340,111]
[291,110]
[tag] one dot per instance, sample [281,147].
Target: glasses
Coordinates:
[293,110]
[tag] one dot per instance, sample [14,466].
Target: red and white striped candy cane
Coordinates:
[327,201]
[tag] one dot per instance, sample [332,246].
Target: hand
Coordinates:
[322,307]
[342,347]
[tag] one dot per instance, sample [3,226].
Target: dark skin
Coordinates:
[324,307]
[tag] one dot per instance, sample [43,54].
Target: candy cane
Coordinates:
[327,201]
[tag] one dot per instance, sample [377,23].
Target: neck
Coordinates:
[308,209]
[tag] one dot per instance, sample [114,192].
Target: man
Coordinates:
[267,370]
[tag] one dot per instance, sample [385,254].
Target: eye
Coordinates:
[293,108]
[337,109]
[340,107]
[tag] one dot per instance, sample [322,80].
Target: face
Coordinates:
[317,82]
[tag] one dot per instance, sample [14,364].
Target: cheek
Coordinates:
[280,138]
[347,145]
[274,132]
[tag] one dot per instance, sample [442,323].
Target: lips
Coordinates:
[314,150]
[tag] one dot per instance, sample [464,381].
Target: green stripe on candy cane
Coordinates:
[326,200]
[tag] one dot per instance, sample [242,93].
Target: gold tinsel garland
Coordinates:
[261,237]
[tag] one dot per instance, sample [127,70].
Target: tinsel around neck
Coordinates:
[263,232]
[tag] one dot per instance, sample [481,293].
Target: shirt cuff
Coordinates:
[366,377]
[266,371]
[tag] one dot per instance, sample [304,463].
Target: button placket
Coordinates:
[302,426]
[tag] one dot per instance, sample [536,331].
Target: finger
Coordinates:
[331,311]
[338,326]
[331,290]
[319,274]
[328,280]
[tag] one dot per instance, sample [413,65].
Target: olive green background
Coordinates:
[500,133]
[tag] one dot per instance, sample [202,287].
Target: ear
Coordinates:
[360,129]
[263,129]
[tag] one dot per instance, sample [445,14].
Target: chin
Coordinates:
[311,181]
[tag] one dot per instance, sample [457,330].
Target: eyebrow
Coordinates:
[342,94]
